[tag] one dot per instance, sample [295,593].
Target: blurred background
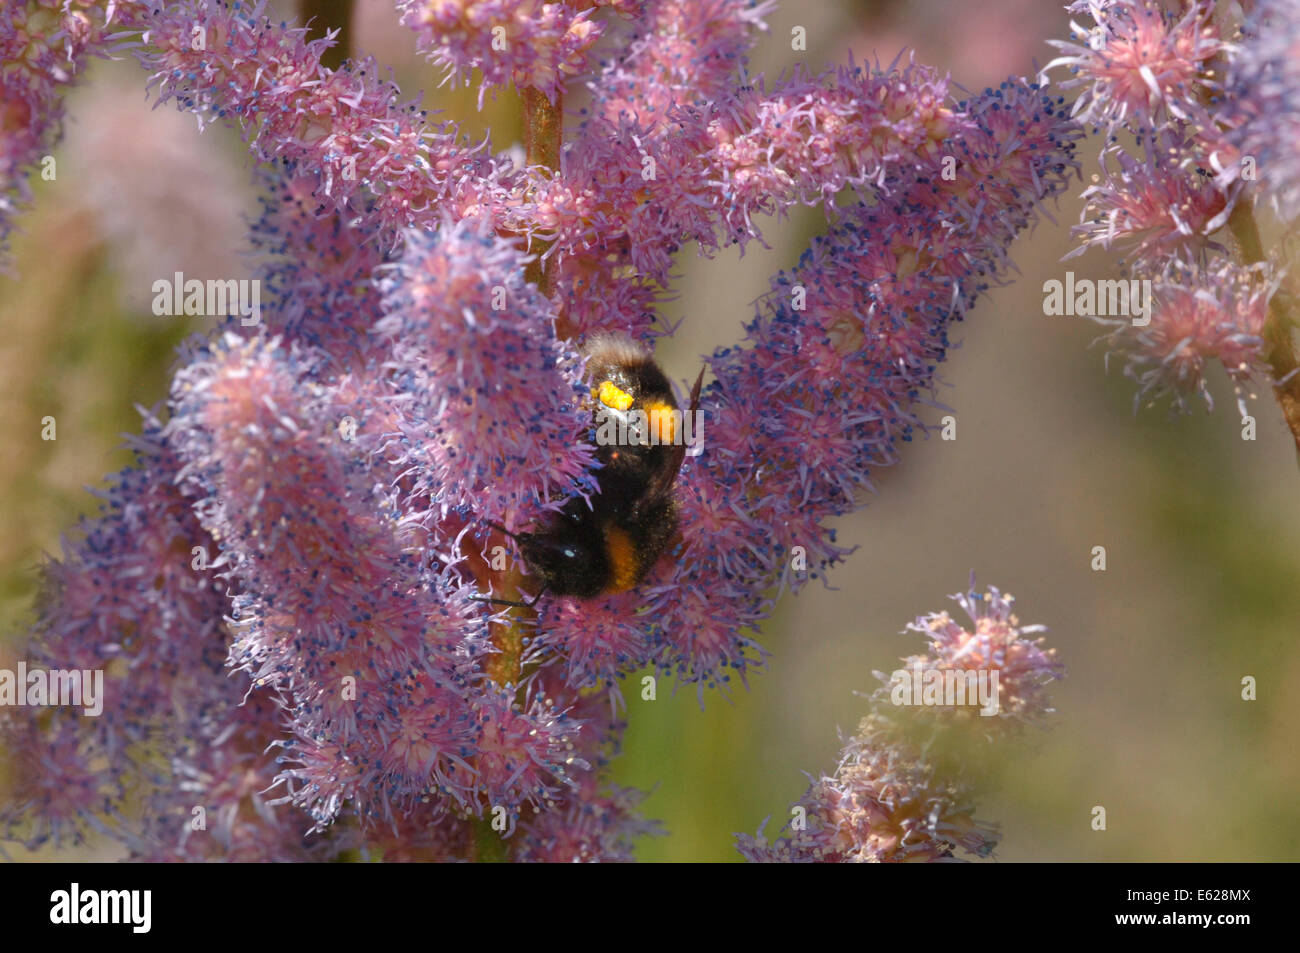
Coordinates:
[1201,528]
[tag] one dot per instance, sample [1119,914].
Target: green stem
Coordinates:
[1283,315]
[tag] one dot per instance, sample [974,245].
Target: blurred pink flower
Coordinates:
[164,200]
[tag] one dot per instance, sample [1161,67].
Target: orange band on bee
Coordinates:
[611,396]
[623,561]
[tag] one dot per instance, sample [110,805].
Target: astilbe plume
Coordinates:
[519,42]
[282,587]
[473,357]
[904,788]
[44,44]
[1265,88]
[1201,114]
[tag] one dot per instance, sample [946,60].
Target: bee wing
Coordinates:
[662,485]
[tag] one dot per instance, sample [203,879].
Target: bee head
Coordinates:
[570,567]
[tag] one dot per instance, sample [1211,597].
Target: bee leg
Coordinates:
[508,602]
[500,602]
[500,529]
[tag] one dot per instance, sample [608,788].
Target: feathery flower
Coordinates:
[1208,117]
[807,138]
[882,805]
[1142,60]
[486,395]
[1265,88]
[1199,315]
[411,383]
[376,659]
[842,352]
[519,42]
[893,798]
[135,597]
[681,54]
[44,44]
[596,828]
[346,127]
[994,640]
[315,266]
[1156,208]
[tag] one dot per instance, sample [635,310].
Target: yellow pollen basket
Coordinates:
[663,420]
[610,395]
[623,561]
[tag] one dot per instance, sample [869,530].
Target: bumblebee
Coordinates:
[609,544]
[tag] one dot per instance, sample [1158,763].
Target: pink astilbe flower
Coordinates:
[893,798]
[993,640]
[376,659]
[807,138]
[595,298]
[599,642]
[1215,118]
[315,266]
[636,184]
[882,805]
[1141,59]
[227,772]
[825,392]
[58,788]
[1156,208]
[417,377]
[1265,86]
[598,826]
[644,190]
[484,391]
[1201,315]
[127,599]
[519,42]
[44,44]
[418,838]
[593,821]
[680,54]
[347,126]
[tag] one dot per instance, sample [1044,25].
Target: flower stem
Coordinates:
[505,667]
[543,138]
[1283,314]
